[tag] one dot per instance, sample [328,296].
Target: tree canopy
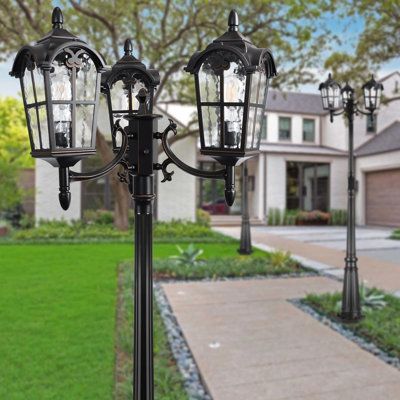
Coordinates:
[378,43]
[14,150]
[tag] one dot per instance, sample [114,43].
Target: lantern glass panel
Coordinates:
[44,127]
[233,116]
[234,82]
[123,95]
[28,87]
[86,80]
[212,126]
[84,122]
[62,118]
[61,80]
[34,128]
[255,85]
[209,83]
[39,85]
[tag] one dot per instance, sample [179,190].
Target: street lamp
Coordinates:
[335,98]
[60,81]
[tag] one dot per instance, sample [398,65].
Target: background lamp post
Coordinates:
[60,80]
[245,247]
[339,101]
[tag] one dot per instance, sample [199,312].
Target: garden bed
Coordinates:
[168,382]
[380,327]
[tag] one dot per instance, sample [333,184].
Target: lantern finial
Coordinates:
[57,18]
[128,48]
[233,21]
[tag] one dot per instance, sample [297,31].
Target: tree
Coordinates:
[14,151]
[165,33]
[378,44]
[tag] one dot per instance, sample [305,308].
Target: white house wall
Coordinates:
[46,196]
[276,179]
[177,199]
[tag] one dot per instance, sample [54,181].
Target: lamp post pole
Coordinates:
[245,233]
[351,307]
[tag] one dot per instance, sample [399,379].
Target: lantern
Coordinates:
[231,78]
[347,94]
[372,94]
[122,84]
[331,94]
[60,84]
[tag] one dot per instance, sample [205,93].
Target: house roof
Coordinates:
[301,149]
[297,103]
[385,141]
[386,77]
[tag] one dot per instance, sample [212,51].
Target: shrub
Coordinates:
[203,217]
[274,217]
[188,257]
[27,221]
[101,217]
[239,266]
[315,217]
[289,217]
[338,217]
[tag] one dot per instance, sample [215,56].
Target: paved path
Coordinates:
[315,244]
[251,343]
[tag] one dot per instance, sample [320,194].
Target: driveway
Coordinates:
[373,242]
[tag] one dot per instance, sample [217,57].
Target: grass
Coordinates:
[380,326]
[57,317]
[168,381]
[395,234]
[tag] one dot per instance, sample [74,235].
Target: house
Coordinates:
[303,160]
[302,165]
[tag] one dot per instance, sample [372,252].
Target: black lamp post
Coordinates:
[335,98]
[245,247]
[60,81]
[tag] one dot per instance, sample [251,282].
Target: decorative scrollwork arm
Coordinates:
[86,176]
[163,136]
[228,173]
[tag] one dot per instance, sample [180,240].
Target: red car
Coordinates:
[217,208]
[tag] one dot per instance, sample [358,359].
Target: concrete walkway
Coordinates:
[313,246]
[249,342]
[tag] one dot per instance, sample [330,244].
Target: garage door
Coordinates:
[383,198]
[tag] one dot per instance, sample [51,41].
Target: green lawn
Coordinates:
[57,318]
[380,326]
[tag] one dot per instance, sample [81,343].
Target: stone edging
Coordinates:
[347,333]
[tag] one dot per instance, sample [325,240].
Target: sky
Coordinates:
[349,27]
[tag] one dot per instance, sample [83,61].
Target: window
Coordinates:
[264,128]
[371,124]
[284,128]
[308,130]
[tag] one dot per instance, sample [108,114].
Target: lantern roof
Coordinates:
[44,51]
[328,83]
[129,63]
[253,58]
[372,83]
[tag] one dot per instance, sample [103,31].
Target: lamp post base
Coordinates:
[351,305]
[245,238]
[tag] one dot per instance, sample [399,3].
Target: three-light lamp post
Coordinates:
[337,101]
[62,79]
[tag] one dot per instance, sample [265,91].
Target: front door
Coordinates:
[307,186]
